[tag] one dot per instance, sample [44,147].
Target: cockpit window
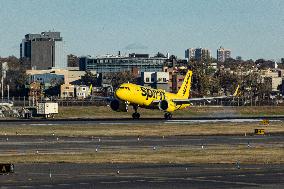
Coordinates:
[124,88]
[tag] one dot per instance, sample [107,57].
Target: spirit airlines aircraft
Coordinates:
[144,97]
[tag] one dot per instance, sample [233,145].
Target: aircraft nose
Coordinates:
[118,93]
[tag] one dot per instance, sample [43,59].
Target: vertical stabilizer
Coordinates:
[185,87]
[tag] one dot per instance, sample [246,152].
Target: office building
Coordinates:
[223,54]
[190,53]
[198,53]
[67,91]
[157,80]
[43,51]
[118,63]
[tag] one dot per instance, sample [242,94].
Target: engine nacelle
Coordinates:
[119,106]
[168,106]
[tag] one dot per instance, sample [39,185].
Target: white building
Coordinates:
[223,54]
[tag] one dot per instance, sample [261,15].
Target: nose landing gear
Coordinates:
[135,115]
[168,115]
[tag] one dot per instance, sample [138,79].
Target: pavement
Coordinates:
[67,175]
[195,119]
[19,144]
[127,175]
[113,175]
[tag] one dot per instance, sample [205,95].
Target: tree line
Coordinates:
[206,80]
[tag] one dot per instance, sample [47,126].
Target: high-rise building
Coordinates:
[189,53]
[44,51]
[198,53]
[223,54]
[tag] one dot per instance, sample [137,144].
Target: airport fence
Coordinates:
[29,102]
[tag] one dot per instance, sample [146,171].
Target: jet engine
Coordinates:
[166,105]
[119,106]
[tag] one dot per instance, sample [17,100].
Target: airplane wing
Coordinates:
[190,100]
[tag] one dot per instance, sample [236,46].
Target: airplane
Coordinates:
[144,97]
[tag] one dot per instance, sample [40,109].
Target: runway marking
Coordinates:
[259,174]
[111,182]
[213,121]
[63,184]
[124,181]
[218,176]
[84,183]
[241,175]
[42,124]
[222,181]
[112,123]
[201,177]
[140,180]
[155,181]
[49,186]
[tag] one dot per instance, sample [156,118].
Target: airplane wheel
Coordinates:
[135,115]
[168,115]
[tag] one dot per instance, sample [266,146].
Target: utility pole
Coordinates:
[2,87]
[8,90]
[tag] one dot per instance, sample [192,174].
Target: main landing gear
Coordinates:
[168,115]
[135,115]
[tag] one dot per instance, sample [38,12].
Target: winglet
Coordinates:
[236,91]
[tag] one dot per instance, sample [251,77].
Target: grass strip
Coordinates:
[223,154]
[192,111]
[142,130]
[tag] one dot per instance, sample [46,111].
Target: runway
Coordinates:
[127,175]
[135,175]
[51,143]
[21,145]
[199,119]
[144,176]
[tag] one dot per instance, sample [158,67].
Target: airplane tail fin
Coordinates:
[236,91]
[185,87]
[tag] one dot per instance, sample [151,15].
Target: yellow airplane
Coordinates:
[145,97]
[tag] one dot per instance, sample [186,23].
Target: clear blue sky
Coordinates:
[250,28]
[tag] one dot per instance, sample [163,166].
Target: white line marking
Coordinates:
[63,184]
[140,180]
[213,120]
[49,186]
[84,183]
[218,176]
[109,182]
[222,181]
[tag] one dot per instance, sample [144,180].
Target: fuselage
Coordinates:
[145,96]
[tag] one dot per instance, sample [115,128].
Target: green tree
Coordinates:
[90,79]
[121,77]
[16,76]
[204,80]
[160,55]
